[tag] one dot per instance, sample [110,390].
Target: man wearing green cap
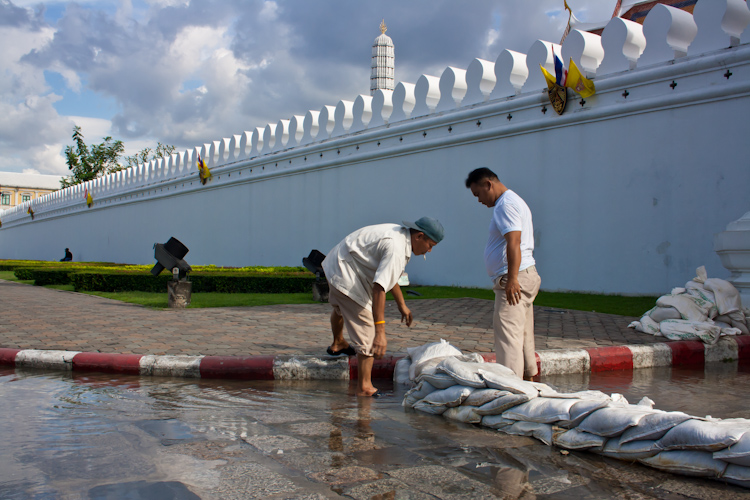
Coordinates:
[360,270]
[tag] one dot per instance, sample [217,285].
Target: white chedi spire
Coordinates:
[382,75]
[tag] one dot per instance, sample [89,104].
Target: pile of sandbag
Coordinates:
[467,389]
[704,309]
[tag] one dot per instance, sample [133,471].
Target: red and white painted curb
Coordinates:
[561,361]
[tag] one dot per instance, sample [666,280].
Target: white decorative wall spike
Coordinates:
[452,88]
[720,24]
[668,33]
[233,147]
[382,108]
[326,122]
[343,118]
[511,74]
[311,128]
[246,144]
[269,138]
[224,149]
[257,137]
[480,80]
[282,135]
[623,43]
[403,102]
[296,130]
[426,95]
[361,112]
[540,53]
[585,49]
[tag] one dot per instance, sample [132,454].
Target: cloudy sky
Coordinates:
[185,72]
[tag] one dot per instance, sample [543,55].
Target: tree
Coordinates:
[88,163]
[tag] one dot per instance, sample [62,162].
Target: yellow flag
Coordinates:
[549,77]
[578,82]
[89,200]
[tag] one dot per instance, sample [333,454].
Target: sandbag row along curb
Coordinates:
[680,353]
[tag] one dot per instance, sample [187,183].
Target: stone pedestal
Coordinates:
[179,293]
[320,291]
[733,247]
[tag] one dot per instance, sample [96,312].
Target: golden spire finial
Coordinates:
[383,28]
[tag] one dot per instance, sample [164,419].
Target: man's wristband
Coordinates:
[380,322]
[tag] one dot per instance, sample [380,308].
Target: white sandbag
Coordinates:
[465,414]
[698,290]
[495,378]
[542,410]
[646,325]
[483,396]
[739,325]
[574,439]
[401,372]
[690,463]
[632,450]
[427,351]
[496,422]
[690,307]
[738,453]
[680,329]
[417,393]
[426,366]
[582,409]
[543,432]
[723,318]
[439,380]
[547,391]
[450,397]
[700,275]
[731,331]
[426,407]
[502,403]
[612,421]
[654,426]
[727,297]
[465,373]
[659,314]
[737,474]
[695,434]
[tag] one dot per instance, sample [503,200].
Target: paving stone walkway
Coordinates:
[42,318]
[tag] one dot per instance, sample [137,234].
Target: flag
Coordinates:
[30,212]
[560,73]
[578,82]
[547,76]
[203,172]
[89,199]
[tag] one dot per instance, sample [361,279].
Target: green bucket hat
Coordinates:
[432,228]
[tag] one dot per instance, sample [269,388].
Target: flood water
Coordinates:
[70,436]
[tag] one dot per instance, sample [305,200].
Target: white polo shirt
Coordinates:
[510,213]
[373,254]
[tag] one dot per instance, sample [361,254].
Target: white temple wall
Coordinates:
[627,188]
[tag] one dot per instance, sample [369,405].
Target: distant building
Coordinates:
[17,188]
[382,75]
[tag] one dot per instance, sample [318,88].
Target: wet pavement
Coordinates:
[42,318]
[96,436]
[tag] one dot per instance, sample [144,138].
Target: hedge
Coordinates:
[202,282]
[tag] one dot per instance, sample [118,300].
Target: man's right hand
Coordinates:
[380,343]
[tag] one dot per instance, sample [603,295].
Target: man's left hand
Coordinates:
[406,316]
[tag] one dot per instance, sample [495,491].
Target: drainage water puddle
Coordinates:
[97,436]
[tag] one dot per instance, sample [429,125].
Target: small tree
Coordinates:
[87,163]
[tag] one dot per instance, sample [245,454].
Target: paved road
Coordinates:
[41,318]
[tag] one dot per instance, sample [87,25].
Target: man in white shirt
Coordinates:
[510,264]
[360,270]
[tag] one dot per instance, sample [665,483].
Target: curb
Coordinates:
[560,361]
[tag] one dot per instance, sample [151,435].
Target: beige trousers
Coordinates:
[514,324]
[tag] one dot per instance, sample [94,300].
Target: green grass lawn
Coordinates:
[611,304]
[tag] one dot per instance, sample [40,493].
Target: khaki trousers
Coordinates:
[514,324]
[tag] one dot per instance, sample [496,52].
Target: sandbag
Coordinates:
[427,366]
[612,421]
[438,380]
[543,432]
[450,397]
[574,439]
[427,351]
[496,377]
[690,307]
[465,373]
[654,426]
[632,450]
[741,326]
[417,393]
[401,372]
[695,434]
[542,410]
[483,396]
[646,325]
[727,297]
[502,403]
[426,407]
[737,474]
[465,414]
[690,463]
[547,391]
[659,314]
[496,422]
[738,453]
[582,409]
[678,329]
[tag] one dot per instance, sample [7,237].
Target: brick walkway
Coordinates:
[41,318]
